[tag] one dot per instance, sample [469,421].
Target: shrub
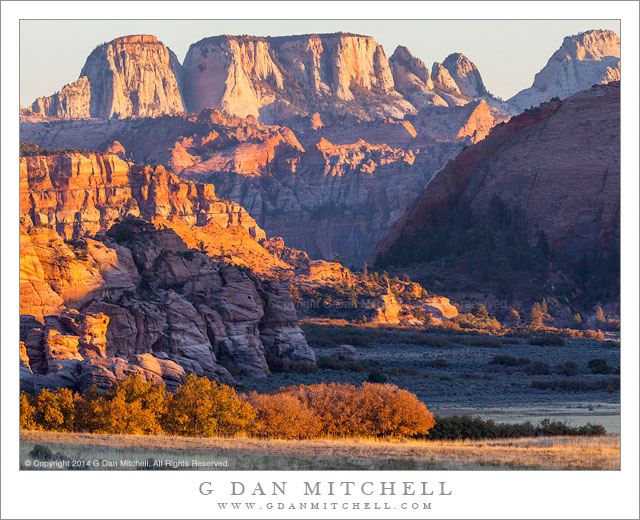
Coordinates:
[548,340]
[570,368]
[438,363]
[599,366]
[467,427]
[277,365]
[416,338]
[376,377]
[471,321]
[593,334]
[372,409]
[571,385]
[480,342]
[510,361]
[282,416]
[334,363]
[201,407]
[539,368]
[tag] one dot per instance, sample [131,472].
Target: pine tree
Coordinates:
[543,306]
[543,244]
[480,311]
[513,318]
[535,317]
[600,315]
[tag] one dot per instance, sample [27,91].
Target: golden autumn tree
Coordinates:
[27,413]
[91,410]
[387,410]
[55,410]
[134,407]
[282,416]
[371,410]
[201,407]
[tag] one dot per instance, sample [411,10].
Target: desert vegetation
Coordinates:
[497,249]
[203,408]
[28,149]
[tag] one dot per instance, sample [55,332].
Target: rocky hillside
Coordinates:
[98,247]
[550,177]
[326,186]
[130,269]
[583,60]
[129,76]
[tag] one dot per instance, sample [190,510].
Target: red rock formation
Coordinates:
[170,304]
[559,164]
[83,195]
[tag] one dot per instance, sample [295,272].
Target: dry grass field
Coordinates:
[544,453]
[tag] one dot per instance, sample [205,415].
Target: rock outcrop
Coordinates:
[136,287]
[454,82]
[583,60]
[332,189]
[273,78]
[72,102]
[129,76]
[179,306]
[465,75]
[559,164]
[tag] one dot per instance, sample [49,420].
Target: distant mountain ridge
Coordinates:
[270,78]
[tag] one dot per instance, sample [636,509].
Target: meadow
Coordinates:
[59,450]
[502,377]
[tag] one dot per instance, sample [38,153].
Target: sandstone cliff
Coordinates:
[560,164]
[129,76]
[274,78]
[589,58]
[330,189]
[454,82]
[182,310]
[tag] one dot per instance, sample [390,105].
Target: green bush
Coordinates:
[510,361]
[571,385]
[458,427]
[376,377]
[539,368]
[549,340]
[599,366]
[570,368]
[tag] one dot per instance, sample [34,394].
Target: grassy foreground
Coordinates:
[92,451]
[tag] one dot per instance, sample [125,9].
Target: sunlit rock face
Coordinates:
[129,76]
[274,78]
[589,58]
[109,288]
